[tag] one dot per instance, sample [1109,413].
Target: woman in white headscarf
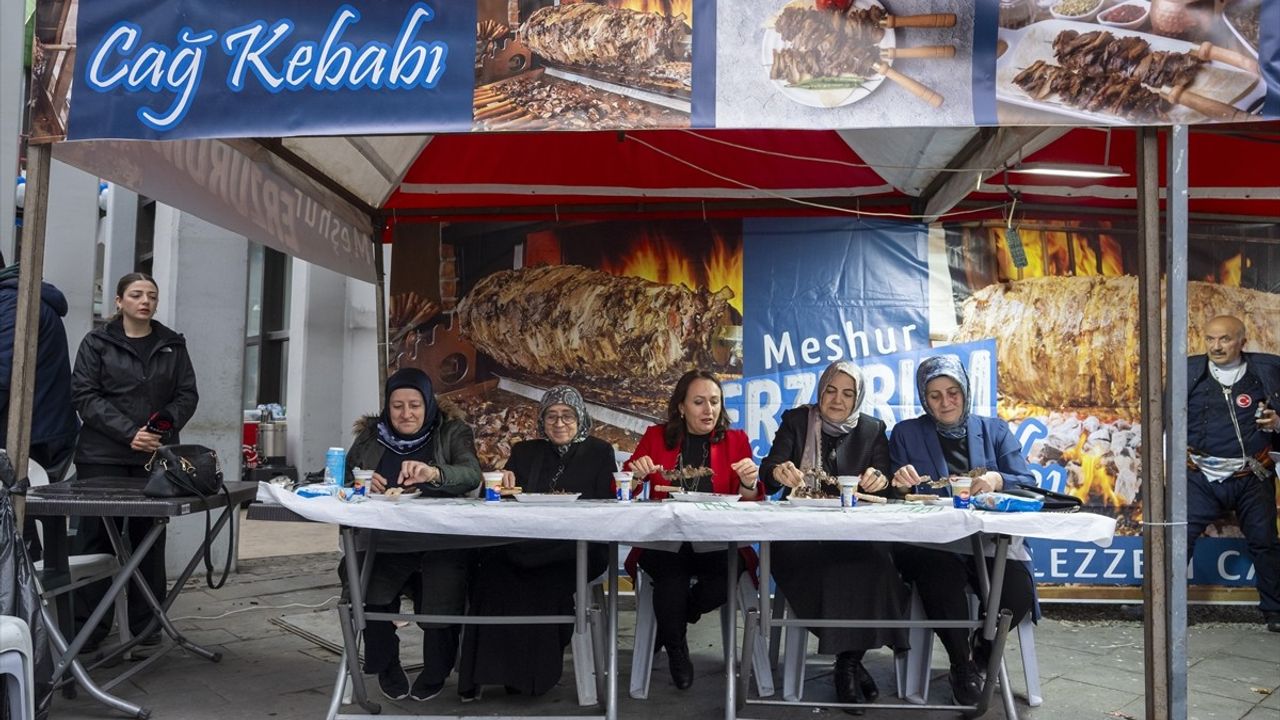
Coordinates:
[536,577]
[833,580]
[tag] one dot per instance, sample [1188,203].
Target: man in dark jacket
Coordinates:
[53,419]
[1231,433]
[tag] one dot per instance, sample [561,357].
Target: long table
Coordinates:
[107,498]
[668,524]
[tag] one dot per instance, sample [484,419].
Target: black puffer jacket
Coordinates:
[116,391]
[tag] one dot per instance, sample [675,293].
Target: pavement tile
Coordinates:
[1203,706]
[1258,673]
[1262,713]
[1066,698]
[1237,689]
[1272,701]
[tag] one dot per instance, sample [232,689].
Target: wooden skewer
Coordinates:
[932,20]
[1210,52]
[668,489]
[494,110]
[1204,105]
[913,86]
[924,51]
[920,497]
[510,491]
[873,499]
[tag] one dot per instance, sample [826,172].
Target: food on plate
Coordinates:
[590,34]
[1111,94]
[1072,342]
[827,48]
[1099,53]
[541,101]
[394,492]
[572,320]
[1074,8]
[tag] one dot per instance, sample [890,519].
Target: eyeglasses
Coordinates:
[566,419]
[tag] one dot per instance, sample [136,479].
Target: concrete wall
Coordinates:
[70,245]
[202,273]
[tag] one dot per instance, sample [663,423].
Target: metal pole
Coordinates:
[1155,588]
[380,304]
[1176,401]
[26,324]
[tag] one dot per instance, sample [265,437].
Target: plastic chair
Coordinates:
[795,655]
[920,658]
[16,668]
[82,569]
[647,636]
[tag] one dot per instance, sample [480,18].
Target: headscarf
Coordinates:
[564,395]
[944,366]
[394,441]
[819,425]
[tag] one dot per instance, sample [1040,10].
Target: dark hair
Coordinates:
[133,277]
[676,428]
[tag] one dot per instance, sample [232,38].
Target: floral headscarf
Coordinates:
[565,395]
[944,366]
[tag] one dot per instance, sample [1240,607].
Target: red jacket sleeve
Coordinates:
[739,448]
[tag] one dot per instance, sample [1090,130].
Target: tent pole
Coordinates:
[1176,380]
[1155,589]
[26,324]
[380,287]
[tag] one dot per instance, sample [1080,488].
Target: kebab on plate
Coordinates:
[1099,53]
[1114,94]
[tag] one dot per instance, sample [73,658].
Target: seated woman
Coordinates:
[536,577]
[945,441]
[830,580]
[416,443]
[695,437]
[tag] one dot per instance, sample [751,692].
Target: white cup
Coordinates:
[363,480]
[622,485]
[492,486]
[848,484]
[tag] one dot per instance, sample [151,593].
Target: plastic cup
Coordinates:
[622,485]
[363,481]
[960,492]
[848,484]
[492,486]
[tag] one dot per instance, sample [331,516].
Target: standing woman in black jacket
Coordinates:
[134,388]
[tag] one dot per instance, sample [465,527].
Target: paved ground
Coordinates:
[1091,661]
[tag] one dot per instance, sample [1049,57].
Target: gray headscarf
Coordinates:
[819,424]
[944,366]
[565,395]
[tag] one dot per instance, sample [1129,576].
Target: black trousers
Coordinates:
[677,602]
[91,537]
[1254,503]
[942,578]
[436,581]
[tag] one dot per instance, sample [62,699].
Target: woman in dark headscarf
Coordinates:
[834,580]
[948,440]
[416,443]
[536,577]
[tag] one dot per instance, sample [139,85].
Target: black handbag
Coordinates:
[1053,501]
[192,471]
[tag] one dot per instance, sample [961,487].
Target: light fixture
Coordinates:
[1082,171]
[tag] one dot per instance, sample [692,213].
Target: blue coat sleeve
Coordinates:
[1010,461]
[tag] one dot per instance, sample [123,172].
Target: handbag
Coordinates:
[192,471]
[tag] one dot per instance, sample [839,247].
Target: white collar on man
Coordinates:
[1228,375]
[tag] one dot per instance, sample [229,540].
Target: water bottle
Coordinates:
[335,466]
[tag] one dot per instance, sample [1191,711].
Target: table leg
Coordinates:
[731,652]
[60,646]
[339,688]
[56,563]
[351,647]
[351,615]
[611,694]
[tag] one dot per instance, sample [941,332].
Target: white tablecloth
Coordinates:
[646,522]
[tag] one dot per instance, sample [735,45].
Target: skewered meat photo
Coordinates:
[1072,342]
[622,42]
[573,321]
[535,101]
[1076,70]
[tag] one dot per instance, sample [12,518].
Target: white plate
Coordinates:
[1216,80]
[813,502]
[820,98]
[702,497]
[379,497]
[546,497]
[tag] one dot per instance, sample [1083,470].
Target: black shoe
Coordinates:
[866,683]
[680,665]
[393,682]
[845,678]
[1273,621]
[471,695]
[966,684]
[424,690]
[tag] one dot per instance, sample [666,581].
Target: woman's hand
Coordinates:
[873,481]
[379,483]
[788,475]
[413,472]
[644,466]
[906,478]
[990,481]
[508,479]
[145,441]
[748,476]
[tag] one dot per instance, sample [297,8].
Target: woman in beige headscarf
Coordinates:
[832,580]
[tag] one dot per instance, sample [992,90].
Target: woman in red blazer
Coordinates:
[696,434]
